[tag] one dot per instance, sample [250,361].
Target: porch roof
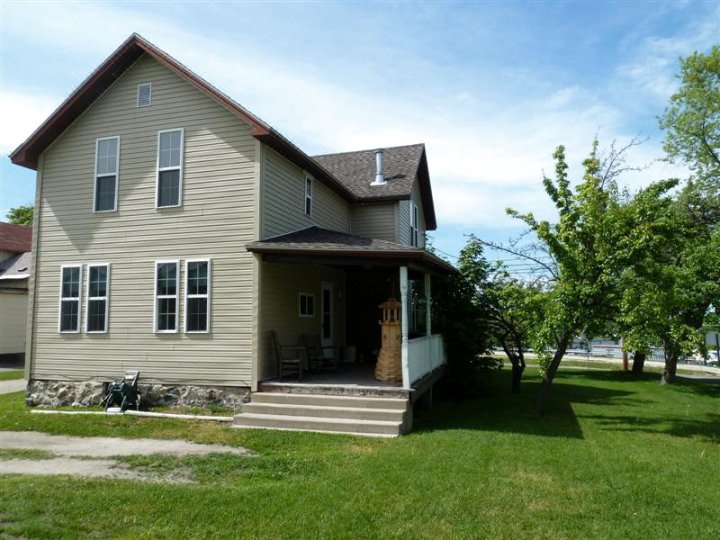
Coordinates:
[338,247]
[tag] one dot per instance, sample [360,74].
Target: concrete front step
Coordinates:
[330,401]
[324,411]
[314,412]
[312,423]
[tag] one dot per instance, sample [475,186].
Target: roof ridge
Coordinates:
[368,150]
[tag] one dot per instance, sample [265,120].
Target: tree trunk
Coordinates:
[671,359]
[550,374]
[518,367]
[638,363]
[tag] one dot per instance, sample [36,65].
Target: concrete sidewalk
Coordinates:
[16,385]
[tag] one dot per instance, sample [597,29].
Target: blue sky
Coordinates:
[490,87]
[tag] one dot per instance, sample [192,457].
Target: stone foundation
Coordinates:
[84,394]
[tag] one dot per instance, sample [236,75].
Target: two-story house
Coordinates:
[175,231]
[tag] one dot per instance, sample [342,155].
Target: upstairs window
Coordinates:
[166,297]
[197,296]
[169,168]
[96,313]
[70,289]
[107,157]
[308,196]
[144,95]
[414,235]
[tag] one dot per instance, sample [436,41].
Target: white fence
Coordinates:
[425,354]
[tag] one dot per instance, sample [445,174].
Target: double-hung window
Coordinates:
[414,235]
[197,296]
[70,291]
[169,168]
[107,159]
[166,296]
[308,196]
[98,289]
[306,305]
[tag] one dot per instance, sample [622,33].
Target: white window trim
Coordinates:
[96,175]
[308,316]
[158,169]
[89,298]
[78,299]
[176,296]
[149,85]
[414,233]
[308,196]
[187,296]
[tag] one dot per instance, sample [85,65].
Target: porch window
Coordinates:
[70,290]
[169,168]
[306,305]
[166,296]
[308,196]
[97,298]
[197,296]
[107,157]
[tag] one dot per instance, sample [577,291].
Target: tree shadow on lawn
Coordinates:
[499,410]
[707,427]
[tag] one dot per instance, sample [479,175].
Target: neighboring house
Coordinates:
[175,230]
[15,264]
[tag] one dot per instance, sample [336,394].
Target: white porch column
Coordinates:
[404,326]
[428,308]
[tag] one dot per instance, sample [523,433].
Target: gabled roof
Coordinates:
[113,67]
[15,238]
[344,173]
[16,267]
[401,166]
[317,242]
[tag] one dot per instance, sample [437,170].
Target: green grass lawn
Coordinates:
[612,458]
[12,375]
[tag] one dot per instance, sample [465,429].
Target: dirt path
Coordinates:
[75,451]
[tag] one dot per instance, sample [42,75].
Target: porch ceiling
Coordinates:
[335,248]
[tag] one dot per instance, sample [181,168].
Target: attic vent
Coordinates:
[144,98]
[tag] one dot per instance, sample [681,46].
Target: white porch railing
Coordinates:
[425,354]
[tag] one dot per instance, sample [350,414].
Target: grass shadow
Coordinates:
[500,410]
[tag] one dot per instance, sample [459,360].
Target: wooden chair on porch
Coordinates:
[317,357]
[288,357]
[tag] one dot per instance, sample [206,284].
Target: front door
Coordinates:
[326,314]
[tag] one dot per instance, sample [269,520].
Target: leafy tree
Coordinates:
[692,119]
[460,319]
[583,288]
[21,215]
[510,306]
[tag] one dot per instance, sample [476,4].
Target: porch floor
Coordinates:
[349,379]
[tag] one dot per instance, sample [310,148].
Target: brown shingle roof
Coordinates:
[357,170]
[402,166]
[317,242]
[15,238]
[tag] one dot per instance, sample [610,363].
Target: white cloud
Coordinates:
[21,114]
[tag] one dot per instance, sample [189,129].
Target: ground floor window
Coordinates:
[306,305]
[70,290]
[197,296]
[166,296]
[98,289]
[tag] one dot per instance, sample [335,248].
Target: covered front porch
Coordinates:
[346,278]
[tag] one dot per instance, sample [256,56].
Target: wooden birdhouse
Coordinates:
[389,364]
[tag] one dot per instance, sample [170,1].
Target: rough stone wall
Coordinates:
[84,394]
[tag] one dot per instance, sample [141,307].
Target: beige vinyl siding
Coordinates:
[375,220]
[281,284]
[404,218]
[217,218]
[283,200]
[13,309]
